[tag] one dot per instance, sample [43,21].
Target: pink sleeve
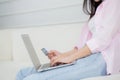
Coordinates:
[84,36]
[107,23]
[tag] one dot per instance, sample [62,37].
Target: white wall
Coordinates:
[28,13]
[5,44]
[59,37]
[35,16]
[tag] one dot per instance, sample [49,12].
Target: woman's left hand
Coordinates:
[62,59]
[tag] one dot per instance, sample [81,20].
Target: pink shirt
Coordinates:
[106,38]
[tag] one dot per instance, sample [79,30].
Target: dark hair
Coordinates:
[90,6]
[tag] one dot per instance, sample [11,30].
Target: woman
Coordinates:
[99,41]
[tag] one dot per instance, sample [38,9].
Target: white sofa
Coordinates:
[15,56]
[112,77]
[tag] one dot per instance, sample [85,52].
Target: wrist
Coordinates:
[83,52]
[75,49]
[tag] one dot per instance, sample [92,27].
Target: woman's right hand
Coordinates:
[53,53]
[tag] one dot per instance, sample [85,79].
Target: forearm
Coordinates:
[75,53]
[71,52]
[71,55]
[83,52]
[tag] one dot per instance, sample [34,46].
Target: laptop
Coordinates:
[34,58]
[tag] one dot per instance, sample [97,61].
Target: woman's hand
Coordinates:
[62,59]
[70,56]
[53,53]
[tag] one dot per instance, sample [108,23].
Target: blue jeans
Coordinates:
[91,66]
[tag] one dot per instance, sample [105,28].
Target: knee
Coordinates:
[34,77]
[23,73]
[19,75]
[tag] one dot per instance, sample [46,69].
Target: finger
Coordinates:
[57,61]
[50,56]
[54,61]
[54,58]
[52,51]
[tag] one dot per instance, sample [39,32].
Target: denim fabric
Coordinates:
[91,66]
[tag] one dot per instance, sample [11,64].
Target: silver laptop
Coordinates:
[36,62]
